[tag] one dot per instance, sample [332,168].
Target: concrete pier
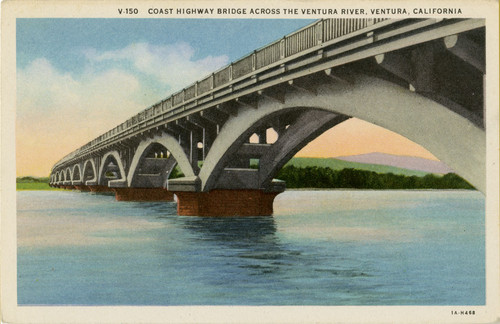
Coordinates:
[223,202]
[99,188]
[143,194]
[82,188]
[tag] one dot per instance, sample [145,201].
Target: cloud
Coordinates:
[40,88]
[58,111]
[173,65]
[47,95]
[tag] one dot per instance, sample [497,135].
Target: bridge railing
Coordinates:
[317,33]
[269,54]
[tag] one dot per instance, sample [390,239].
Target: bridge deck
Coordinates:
[324,44]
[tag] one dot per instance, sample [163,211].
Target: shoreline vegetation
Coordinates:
[326,178]
[317,173]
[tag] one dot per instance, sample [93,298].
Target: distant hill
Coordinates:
[337,164]
[405,162]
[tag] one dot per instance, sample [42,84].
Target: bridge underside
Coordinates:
[221,157]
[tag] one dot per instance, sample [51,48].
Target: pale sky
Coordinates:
[78,78]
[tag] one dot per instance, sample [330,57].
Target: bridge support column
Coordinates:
[98,188]
[82,188]
[143,194]
[226,202]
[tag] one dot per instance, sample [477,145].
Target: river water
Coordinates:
[336,247]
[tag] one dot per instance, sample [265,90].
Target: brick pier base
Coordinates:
[143,194]
[222,202]
[68,187]
[82,188]
[100,189]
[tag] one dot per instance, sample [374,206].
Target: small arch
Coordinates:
[89,171]
[171,149]
[153,168]
[76,172]
[111,164]
[69,176]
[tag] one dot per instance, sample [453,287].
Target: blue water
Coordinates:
[319,248]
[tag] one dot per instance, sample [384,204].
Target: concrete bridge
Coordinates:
[421,78]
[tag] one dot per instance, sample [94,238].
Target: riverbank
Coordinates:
[313,177]
[327,178]
[34,186]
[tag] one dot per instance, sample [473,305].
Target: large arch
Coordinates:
[154,167]
[171,144]
[105,159]
[450,137]
[295,128]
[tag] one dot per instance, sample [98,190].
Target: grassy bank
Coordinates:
[34,186]
[33,183]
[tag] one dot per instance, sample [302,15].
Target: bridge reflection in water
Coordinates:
[421,78]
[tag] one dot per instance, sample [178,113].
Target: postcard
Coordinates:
[250,162]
